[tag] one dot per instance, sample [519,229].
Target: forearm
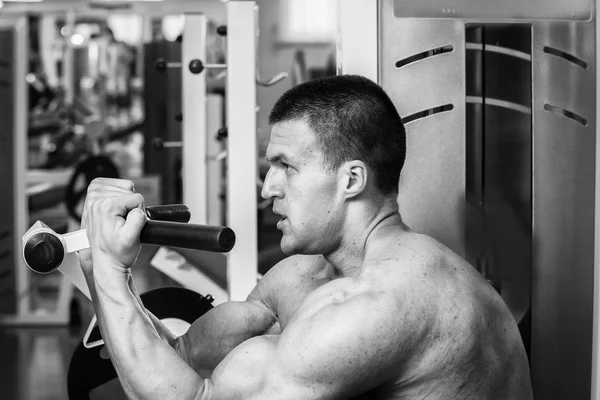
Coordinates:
[147,365]
[161,329]
[163,332]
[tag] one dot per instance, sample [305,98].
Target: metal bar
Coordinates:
[498,103]
[194,133]
[214,167]
[242,146]
[69,59]
[499,49]
[21,213]
[596,313]
[72,271]
[9,280]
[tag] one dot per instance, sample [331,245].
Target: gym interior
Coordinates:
[499,103]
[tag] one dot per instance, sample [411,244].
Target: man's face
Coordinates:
[303,192]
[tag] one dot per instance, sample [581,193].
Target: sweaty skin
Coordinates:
[364,308]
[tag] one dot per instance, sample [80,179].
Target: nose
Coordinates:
[271,187]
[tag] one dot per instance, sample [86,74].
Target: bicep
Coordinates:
[339,352]
[256,370]
[211,337]
[220,330]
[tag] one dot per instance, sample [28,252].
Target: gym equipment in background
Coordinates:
[201,153]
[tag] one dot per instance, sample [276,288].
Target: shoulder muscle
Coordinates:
[341,349]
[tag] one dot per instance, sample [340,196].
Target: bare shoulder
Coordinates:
[439,284]
[288,272]
[421,264]
[358,331]
[286,284]
[462,315]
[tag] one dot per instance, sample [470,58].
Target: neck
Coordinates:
[363,223]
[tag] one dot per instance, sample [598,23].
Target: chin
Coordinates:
[287,249]
[291,249]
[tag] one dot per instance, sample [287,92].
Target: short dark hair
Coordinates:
[353,119]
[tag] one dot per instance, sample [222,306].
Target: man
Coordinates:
[364,308]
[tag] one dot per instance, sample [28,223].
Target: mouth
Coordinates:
[281,221]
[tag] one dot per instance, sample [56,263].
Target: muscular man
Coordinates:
[364,307]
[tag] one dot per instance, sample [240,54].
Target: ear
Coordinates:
[355,174]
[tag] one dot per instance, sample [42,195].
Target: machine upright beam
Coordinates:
[595,367]
[194,135]
[242,146]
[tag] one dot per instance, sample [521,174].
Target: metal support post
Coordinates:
[242,146]
[194,133]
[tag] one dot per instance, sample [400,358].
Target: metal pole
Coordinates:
[194,133]
[242,146]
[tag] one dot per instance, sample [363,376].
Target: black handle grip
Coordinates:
[219,239]
[171,212]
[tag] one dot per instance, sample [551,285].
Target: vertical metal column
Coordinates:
[8,233]
[564,143]
[596,317]
[13,147]
[214,164]
[242,146]
[194,134]
[21,213]
[69,59]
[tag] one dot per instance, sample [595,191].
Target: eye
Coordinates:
[288,168]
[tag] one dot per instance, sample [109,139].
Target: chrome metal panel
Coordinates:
[563,212]
[432,186]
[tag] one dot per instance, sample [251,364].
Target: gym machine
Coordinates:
[46,251]
[201,179]
[501,155]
